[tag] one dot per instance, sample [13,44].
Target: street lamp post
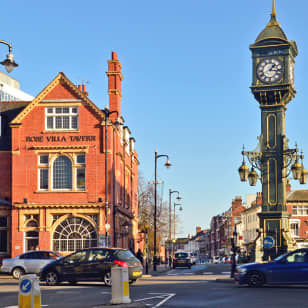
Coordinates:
[178,198]
[107,114]
[9,62]
[174,205]
[167,164]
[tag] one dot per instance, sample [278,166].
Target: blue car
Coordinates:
[289,268]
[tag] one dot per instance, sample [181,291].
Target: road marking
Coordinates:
[207,273]
[172,274]
[105,292]
[165,296]
[166,299]
[226,273]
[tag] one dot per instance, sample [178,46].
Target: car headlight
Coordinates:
[242,270]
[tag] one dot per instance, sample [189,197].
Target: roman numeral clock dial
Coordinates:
[269,70]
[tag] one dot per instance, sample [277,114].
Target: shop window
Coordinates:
[4,233]
[61,118]
[31,240]
[74,233]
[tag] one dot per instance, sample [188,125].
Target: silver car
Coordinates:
[29,262]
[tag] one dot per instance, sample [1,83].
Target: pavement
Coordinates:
[161,268]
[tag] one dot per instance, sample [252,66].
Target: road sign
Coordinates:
[25,286]
[268,242]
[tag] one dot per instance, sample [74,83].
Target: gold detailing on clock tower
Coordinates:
[273,21]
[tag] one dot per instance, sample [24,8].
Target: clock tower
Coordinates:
[273,87]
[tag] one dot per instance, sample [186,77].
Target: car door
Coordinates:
[30,261]
[291,269]
[99,263]
[73,266]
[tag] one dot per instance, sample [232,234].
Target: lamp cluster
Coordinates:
[254,158]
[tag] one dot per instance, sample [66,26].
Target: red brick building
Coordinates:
[52,162]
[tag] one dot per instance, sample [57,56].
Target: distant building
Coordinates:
[10,90]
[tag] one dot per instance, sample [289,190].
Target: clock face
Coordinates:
[269,70]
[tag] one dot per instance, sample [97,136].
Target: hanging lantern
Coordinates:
[303,179]
[243,172]
[252,177]
[297,170]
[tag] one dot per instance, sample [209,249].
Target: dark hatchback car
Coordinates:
[181,259]
[289,268]
[91,264]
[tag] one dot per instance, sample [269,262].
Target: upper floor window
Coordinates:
[61,173]
[294,228]
[61,118]
[300,210]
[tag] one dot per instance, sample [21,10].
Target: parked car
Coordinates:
[29,262]
[193,257]
[289,268]
[181,259]
[91,264]
[228,260]
[216,260]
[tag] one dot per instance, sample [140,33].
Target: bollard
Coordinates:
[29,292]
[120,286]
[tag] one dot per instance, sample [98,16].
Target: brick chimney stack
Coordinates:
[288,186]
[114,85]
[259,198]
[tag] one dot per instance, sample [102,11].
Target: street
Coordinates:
[201,286]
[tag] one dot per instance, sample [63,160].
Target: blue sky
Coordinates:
[187,71]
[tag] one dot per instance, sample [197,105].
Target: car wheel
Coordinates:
[255,279]
[18,272]
[107,279]
[52,278]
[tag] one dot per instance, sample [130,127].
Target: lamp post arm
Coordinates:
[8,44]
[254,158]
[163,155]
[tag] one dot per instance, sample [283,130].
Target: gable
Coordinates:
[58,89]
[61,91]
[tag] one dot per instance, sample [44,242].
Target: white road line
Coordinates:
[166,299]
[144,299]
[226,273]
[207,273]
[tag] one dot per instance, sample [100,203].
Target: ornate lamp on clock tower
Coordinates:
[273,87]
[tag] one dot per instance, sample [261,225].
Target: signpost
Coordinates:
[268,242]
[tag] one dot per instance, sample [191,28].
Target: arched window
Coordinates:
[74,233]
[62,173]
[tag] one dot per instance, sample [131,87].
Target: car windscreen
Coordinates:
[124,255]
[181,255]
